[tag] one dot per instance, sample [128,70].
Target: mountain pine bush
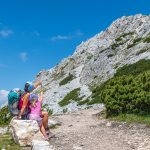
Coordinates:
[127,94]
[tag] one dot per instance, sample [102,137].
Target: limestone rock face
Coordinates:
[96,60]
[24,131]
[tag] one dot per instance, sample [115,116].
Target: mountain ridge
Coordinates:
[125,41]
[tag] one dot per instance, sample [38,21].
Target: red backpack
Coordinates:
[27,111]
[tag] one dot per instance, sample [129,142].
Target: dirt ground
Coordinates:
[83,130]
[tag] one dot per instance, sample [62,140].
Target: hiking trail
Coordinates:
[84,130]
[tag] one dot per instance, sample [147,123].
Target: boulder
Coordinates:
[24,131]
[41,145]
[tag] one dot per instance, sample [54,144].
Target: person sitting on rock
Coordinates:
[25,110]
[35,111]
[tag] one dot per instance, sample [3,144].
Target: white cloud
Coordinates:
[3,97]
[23,56]
[78,33]
[60,37]
[6,32]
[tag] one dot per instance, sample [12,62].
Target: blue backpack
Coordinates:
[13,102]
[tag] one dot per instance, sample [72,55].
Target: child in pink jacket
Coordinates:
[35,111]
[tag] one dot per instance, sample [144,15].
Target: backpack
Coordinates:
[13,102]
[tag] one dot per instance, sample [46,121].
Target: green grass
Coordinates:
[132,118]
[8,143]
[73,95]
[69,78]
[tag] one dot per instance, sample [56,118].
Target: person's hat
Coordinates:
[33,96]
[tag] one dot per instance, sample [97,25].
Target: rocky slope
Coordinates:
[125,41]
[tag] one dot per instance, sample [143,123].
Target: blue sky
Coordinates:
[37,34]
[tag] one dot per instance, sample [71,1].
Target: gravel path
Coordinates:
[84,131]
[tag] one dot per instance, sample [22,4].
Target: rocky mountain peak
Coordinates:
[125,41]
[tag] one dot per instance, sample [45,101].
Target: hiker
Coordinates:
[25,110]
[35,111]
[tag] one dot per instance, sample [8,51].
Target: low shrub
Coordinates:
[137,40]
[72,96]
[83,102]
[69,78]
[131,45]
[5,116]
[127,94]
[110,55]
[147,40]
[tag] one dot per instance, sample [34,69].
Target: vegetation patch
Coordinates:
[126,34]
[115,45]
[134,69]
[123,36]
[96,94]
[39,90]
[102,50]
[5,117]
[59,75]
[147,39]
[7,142]
[110,55]
[65,110]
[83,102]
[69,78]
[89,57]
[127,94]
[142,51]
[72,96]
[131,45]
[137,40]
[132,118]
[118,39]
[46,107]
